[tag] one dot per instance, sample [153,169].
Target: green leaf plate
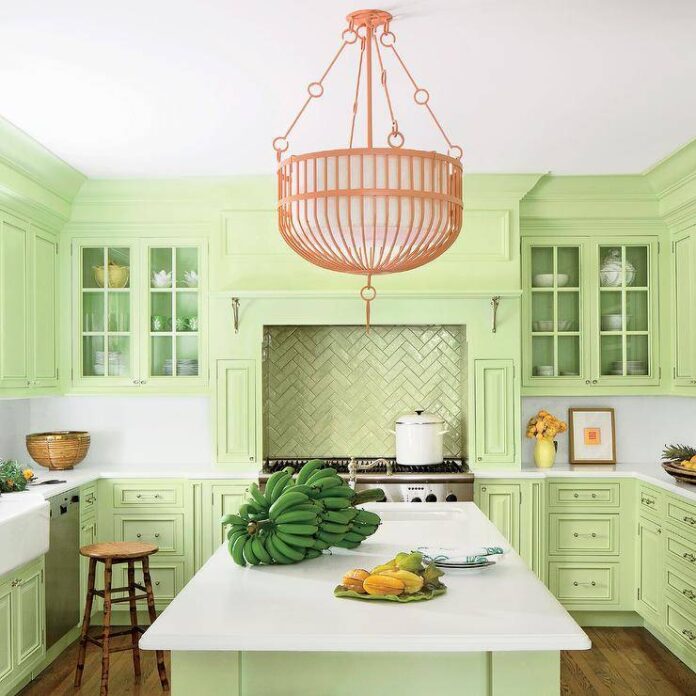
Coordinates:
[341,591]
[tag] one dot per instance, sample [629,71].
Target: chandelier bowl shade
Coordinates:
[370,210]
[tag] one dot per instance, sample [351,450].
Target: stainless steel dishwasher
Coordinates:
[63,566]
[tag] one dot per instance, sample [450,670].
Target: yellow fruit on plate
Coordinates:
[389,565]
[412,582]
[383,585]
[353,580]
[693,459]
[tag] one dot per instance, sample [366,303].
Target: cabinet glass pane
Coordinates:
[119,312]
[92,258]
[543,363]
[611,354]
[623,266]
[118,265]
[568,311]
[611,311]
[637,355]
[118,356]
[186,312]
[161,356]
[93,356]
[637,258]
[93,312]
[161,312]
[637,310]
[568,356]
[542,312]
[187,356]
[161,268]
[568,263]
[187,267]
[542,261]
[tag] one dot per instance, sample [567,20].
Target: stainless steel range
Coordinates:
[448,482]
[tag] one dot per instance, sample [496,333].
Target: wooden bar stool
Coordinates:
[110,554]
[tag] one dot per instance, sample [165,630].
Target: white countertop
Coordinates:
[265,608]
[652,473]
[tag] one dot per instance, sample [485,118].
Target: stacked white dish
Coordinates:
[546,280]
[185,367]
[633,367]
[117,365]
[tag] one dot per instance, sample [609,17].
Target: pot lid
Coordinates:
[420,417]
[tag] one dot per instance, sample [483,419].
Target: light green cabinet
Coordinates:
[501,502]
[141,314]
[22,623]
[649,570]
[236,411]
[494,411]
[590,313]
[217,499]
[684,299]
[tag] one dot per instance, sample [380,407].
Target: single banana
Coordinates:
[285,502]
[329,538]
[295,515]
[341,492]
[335,503]
[282,485]
[288,550]
[248,553]
[327,482]
[272,483]
[298,528]
[337,516]
[260,550]
[257,496]
[232,519]
[308,469]
[277,556]
[367,517]
[334,528]
[312,553]
[236,550]
[304,542]
[318,475]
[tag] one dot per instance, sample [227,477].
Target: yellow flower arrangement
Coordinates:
[544,426]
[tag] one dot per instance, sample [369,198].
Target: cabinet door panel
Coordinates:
[218,499]
[6,636]
[684,284]
[501,504]
[14,304]
[650,569]
[236,407]
[28,630]
[495,411]
[45,329]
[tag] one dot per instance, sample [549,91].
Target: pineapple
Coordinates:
[679,454]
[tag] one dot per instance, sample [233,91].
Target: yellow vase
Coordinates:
[544,453]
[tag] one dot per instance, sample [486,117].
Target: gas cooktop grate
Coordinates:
[449,466]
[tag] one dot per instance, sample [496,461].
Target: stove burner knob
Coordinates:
[431,498]
[451,498]
[416,500]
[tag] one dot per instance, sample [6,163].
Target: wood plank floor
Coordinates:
[622,662]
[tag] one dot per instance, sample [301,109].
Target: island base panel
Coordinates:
[345,674]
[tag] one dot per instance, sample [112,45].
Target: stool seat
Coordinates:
[119,551]
[110,553]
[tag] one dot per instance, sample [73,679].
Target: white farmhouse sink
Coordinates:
[24,529]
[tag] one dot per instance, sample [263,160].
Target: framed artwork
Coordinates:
[592,434]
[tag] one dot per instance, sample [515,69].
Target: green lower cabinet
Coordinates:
[501,502]
[649,571]
[217,499]
[22,624]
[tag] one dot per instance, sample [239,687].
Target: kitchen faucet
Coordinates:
[354,468]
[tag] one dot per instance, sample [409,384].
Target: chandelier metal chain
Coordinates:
[369,210]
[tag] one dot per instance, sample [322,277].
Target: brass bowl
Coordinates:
[118,276]
[58,450]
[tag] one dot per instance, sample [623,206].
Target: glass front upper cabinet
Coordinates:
[174,312]
[589,312]
[554,315]
[626,291]
[107,346]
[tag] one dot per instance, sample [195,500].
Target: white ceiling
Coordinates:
[191,87]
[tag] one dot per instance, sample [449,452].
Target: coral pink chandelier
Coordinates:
[369,210]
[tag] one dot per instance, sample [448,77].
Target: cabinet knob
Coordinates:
[659,531]
[479,459]
[594,381]
[483,489]
[143,381]
[576,495]
[136,381]
[157,582]
[594,495]
[251,459]
[138,535]
[156,535]
[587,381]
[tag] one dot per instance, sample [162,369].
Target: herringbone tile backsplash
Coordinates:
[336,391]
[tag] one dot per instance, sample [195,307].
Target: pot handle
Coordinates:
[444,432]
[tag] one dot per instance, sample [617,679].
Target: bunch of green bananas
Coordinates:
[295,519]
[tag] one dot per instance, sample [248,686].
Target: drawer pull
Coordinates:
[594,495]
[689,593]
[156,535]
[689,634]
[157,582]
[138,535]
[593,535]
[647,501]
[588,584]
[689,557]
[576,495]
[690,520]
[156,496]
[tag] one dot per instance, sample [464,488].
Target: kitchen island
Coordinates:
[279,630]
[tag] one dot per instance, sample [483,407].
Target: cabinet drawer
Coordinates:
[572,534]
[165,531]
[681,550]
[682,585]
[682,514]
[167,580]
[88,501]
[650,501]
[587,495]
[584,583]
[148,495]
[680,625]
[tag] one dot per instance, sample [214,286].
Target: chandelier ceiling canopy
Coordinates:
[364,209]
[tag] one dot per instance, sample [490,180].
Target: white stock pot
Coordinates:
[419,439]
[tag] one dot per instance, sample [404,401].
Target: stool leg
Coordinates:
[151,609]
[133,617]
[85,622]
[104,690]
